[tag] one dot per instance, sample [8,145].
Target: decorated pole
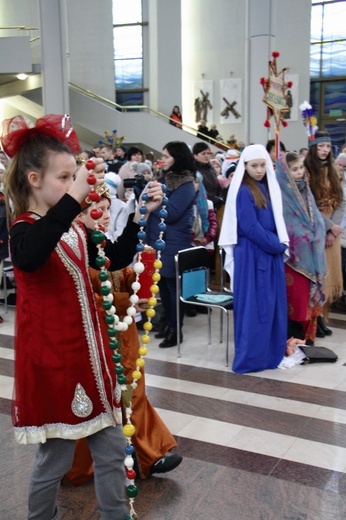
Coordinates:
[275,87]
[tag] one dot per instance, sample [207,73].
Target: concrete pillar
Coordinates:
[261,43]
[165,74]
[54,56]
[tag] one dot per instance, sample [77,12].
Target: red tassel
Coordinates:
[275,54]
[284,123]
[289,84]
[263,81]
[267,123]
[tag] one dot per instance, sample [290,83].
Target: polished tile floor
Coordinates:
[266,446]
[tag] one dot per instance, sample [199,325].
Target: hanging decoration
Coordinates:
[309,120]
[275,97]
[116,326]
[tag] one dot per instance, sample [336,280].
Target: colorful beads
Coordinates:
[147,326]
[142,351]
[129,430]
[145,338]
[132,491]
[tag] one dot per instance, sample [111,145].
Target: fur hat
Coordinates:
[341,159]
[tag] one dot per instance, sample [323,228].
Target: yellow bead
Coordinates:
[136,374]
[140,362]
[152,301]
[145,338]
[157,264]
[142,351]
[154,289]
[129,430]
[147,325]
[150,313]
[156,277]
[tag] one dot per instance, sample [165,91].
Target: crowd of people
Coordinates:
[280,220]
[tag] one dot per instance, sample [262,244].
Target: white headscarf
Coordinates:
[228,235]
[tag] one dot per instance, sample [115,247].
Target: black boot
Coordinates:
[162,332]
[323,327]
[171,340]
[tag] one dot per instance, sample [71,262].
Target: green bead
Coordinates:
[131,491]
[100,261]
[111,332]
[119,369]
[97,237]
[113,344]
[104,290]
[116,358]
[121,379]
[106,305]
[103,276]
[109,319]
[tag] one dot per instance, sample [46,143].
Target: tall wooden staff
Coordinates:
[275,87]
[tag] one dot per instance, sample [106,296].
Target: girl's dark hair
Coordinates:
[271,144]
[132,151]
[183,158]
[33,155]
[316,172]
[199,147]
[260,200]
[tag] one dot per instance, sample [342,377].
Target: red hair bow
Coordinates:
[16,131]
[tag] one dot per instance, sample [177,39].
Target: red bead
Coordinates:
[104,243]
[90,164]
[131,474]
[101,228]
[96,213]
[108,263]
[91,179]
[94,196]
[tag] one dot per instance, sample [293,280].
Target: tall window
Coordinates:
[128,51]
[328,66]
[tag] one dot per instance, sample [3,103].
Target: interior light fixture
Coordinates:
[22,76]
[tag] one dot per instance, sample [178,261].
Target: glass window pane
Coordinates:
[315,60]
[315,96]
[128,42]
[334,59]
[316,24]
[334,21]
[337,132]
[129,98]
[127,12]
[128,74]
[334,96]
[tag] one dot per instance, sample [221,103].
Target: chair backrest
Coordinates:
[192,258]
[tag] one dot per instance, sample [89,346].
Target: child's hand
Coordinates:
[80,188]
[141,301]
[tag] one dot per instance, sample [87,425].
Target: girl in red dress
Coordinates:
[63,387]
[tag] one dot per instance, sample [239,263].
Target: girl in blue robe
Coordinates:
[255,240]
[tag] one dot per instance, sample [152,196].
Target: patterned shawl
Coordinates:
[306,230]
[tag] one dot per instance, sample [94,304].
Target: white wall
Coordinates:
[215,42]
[90,44]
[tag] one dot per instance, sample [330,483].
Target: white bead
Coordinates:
[112,310]
[131,311]
[128,320]
[138,267]
[124,327]
[136,286]
[129,462]
[116,319]
[109,297]
[134,299]
[107,283]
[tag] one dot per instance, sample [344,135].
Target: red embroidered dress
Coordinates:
[63,372]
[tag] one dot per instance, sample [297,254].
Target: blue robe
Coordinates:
[260,304]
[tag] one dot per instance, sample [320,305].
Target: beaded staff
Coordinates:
[115,325]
